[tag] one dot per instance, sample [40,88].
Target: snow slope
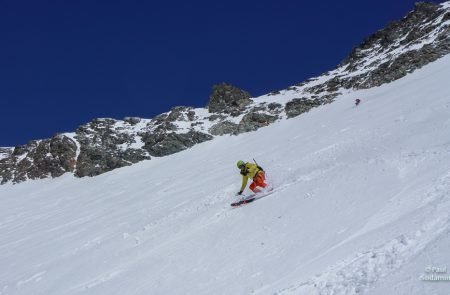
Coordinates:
[361,207]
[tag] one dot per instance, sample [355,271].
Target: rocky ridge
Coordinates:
[102,145]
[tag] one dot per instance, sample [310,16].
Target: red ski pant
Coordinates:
[259,180]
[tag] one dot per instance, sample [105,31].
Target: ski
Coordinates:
[242,202]
[252,198]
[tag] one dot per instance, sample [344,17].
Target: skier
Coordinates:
[253,171]
[357,101]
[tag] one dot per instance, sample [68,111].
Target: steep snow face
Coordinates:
[361,206]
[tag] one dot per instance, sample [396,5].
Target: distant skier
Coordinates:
[253,171]
[357,101]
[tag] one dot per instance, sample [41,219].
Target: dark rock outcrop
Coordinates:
[253,121]
[159,145]
[258,116]
[274,107]
[228,99]
[39,159]
[132,120]
[96,161]
[222,128]
[106,146]
[402,47]
[397,42]
[103,145]
[299,106]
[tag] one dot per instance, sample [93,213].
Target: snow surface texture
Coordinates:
[361,206]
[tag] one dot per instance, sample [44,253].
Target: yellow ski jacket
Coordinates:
[249,171]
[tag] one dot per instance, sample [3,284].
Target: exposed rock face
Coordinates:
[101,146]
[164,139]
[258,116]
[408,31]
[180,114]
[274,107]
[105,147]
[421,37]
[7,165]
[225,127]
[299,106]
[39,159]
[159,145]
[132,120]
[226,98]
[254,121]
[96,161]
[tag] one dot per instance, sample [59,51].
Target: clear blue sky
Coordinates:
[63,63]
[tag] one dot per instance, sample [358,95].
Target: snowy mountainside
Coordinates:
[421,37]
[361,206]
